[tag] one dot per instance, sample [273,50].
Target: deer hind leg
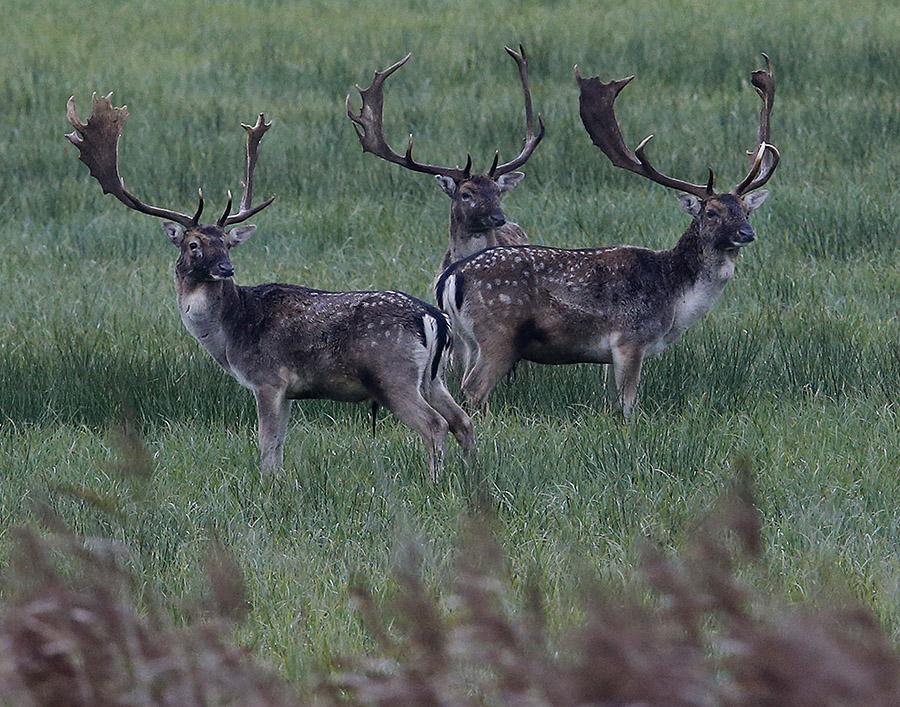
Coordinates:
[273,411]
[398,389]
[465,347]
[413,410]
[627,361]
[460,423]
[486,372]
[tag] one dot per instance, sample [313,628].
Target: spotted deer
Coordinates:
[614,305]
[287,342]
[477,220]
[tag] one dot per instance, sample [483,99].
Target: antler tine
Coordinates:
[596,106]
[531,140]
[764,157]
[225,214]
[98,144]
[369,126]
[767,169]
[763,81]
[754,170]
[196,217]
[254,137]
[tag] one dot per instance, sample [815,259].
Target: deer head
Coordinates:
[204,247]
[475,198]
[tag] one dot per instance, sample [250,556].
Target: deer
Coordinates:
[288,342]
[615,305]
[477,220]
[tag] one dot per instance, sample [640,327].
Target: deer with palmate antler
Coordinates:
[477,220]
[286,342]
[615,305]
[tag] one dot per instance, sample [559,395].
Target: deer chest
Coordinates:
[200,318]
[696,300]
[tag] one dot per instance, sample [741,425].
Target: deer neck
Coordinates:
[697,262]
[700,273]
[203,306]
[465,242]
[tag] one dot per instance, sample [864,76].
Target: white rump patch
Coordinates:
[425,357]
[450,294]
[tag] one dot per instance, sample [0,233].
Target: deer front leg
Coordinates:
[626,365]
[273,410]
[612,392]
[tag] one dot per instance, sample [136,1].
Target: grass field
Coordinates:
[796,370]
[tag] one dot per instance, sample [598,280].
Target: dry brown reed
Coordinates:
[76,629]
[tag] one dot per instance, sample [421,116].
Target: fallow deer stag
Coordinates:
[615,305]
[477,220]
[287,342]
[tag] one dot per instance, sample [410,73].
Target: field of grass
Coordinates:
[796,370]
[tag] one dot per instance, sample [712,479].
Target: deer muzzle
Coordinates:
[496,219]
[222,270]
[743,236]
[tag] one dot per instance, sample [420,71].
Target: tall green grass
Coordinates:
[797,368]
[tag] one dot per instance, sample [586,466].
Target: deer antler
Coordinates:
[763,81]
[254,136]
[531,141]
[98,142]
[599,118]
[369,125]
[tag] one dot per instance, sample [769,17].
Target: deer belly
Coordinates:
[574,349]
[340,388]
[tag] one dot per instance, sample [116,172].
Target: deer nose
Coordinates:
[744,235]
[223,269]
[496,219]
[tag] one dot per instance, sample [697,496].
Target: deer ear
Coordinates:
[447,185]
[755,199]
[239,234]
[508,181]
[174,231]
[690,203]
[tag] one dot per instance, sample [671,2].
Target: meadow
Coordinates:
[795,371]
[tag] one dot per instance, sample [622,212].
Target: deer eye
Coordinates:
[193,246]
[711,214]
[468,199]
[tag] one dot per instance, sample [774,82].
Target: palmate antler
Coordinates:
[763,81]
[98,144]
[599,118]
[369,124]
[254,136]
[596,106]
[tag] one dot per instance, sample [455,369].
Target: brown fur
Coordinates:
[615,305]
[286,342]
